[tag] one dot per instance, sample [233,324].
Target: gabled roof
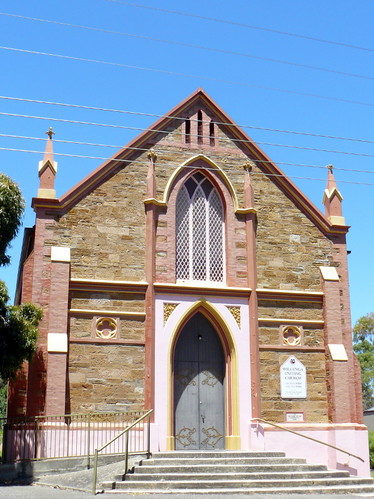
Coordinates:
[199,97]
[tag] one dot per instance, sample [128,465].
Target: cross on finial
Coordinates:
[50,132]
[330,167]
[248,167]
[152,156]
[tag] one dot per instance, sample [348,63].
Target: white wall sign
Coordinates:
[295,417]
[293,379]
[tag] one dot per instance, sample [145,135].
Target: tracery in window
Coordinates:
[199,231]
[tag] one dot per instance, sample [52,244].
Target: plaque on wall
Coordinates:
[294,417]
[293,379]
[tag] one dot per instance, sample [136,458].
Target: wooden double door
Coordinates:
[199,395]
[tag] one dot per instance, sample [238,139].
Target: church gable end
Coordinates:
[191,219]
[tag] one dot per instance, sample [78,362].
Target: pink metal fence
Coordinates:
[44,437]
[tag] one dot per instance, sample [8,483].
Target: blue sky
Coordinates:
[250,57]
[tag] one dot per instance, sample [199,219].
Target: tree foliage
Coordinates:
[18,334]
[19,323]
[12,206]
[363,346]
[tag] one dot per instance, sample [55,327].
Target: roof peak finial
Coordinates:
[332,199]
[47,169]
[50,133]
[331,183]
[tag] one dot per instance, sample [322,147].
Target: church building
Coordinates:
[187,274]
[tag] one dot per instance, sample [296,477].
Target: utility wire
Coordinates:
[158,150]
[61,120]
[190,45]
[161,150]
[186,75]
[248,26]
[143,163]
[137,113]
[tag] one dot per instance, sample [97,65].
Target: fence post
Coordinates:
[94,478]
[36,438]
[89,441]
[126,454]
[5,442]
[149,437]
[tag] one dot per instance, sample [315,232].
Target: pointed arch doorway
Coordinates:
[199,393]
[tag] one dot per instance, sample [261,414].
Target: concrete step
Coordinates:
[271,475]
[228,485]
[227,468]
[356,490]
[230,472]
[215,454]
[200,461]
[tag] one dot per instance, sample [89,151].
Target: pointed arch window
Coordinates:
[199,231]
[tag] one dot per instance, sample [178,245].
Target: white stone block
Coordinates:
[338,352]
[329,273]
[60,254]
[58,342]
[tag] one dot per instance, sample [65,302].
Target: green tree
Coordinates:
[363,346]
[18,334]
[12,206]
[19,323]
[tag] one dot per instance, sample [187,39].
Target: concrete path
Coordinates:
[45,492]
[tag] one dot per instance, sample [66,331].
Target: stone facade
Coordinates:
[105,378]
[102,260]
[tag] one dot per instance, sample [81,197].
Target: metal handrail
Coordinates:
[126,430]
[309,438]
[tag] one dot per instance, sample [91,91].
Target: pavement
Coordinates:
[78,485]
[37,491]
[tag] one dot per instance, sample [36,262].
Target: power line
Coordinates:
[190,45]
[248,26]
[123,127]
[186,75]
[158,150]
[144,149]
[153,115]
[142,163]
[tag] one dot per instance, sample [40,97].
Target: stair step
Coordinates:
[239,484]
[235,476]
[235,472]
[228,468]
[221,460]
[215,453]
[358,489]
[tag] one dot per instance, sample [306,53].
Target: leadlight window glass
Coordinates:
[200,231]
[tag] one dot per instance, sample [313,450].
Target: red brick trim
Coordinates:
[170,288]
[58,323]
[340,374]
[150,273]
[289,348]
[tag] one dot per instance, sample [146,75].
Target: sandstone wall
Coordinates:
[106,233]
[273,407]
[106,377]
[105,230]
